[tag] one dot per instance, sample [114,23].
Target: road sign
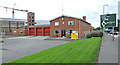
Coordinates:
[108,19]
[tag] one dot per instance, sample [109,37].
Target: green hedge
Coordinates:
[95,34]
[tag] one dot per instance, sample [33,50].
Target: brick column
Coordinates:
[42,31]
[28,31]
[9,26]
[35,32]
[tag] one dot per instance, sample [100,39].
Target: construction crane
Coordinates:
[13,9]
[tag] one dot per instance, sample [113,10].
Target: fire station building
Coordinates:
[61,26]
[64,25]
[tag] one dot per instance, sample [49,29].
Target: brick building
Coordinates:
[9,24]
[32,29]
[58,27]
[64,25]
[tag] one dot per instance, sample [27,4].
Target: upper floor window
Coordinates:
[29,16]
[70,22]
[33,17]
[62,18]
[56,23]
[63,22]
[32,20]
[32,24]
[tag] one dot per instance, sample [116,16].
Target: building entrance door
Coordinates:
[63,33]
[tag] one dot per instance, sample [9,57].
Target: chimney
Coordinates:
[84,18]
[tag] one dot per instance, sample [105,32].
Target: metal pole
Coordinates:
[1,31]
[103,17]
[79,28]
[113,34]
[75,29]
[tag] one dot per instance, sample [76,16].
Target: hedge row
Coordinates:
[95,34]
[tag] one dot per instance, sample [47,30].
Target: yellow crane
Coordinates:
[13,10]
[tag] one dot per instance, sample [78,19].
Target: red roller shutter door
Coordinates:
[46,31]
[32,32]
[39,31]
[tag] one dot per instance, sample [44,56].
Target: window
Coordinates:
[70,22]
[69,32]
[62,18]
[32,20]
[32,17]
[29,20]
[29,16]
[63,22]
[15,32]
[56,23]
[56,32]
[21,32]
[26,28]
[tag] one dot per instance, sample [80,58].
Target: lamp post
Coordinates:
[104,15]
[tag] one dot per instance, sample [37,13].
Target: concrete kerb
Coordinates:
[99,51]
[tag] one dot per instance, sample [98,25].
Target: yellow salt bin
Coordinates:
[74,36]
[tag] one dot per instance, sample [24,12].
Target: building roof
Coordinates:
[11,19]
[70,17]
[42,22]
[38,22]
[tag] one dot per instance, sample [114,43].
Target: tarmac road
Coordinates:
[16,48]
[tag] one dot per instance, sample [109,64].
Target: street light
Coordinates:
[103,14]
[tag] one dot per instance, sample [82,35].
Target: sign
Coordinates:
[108,20]
[10,30]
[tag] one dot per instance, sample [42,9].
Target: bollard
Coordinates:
[113,37]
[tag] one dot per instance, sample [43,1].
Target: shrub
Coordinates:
[101,34]
[89,35]
[95,34]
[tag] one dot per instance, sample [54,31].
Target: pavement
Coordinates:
[29,37]
[119,48]
[62,38]
[109,49]
[14,48]
[0,53]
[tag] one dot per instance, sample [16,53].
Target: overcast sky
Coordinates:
[49,9]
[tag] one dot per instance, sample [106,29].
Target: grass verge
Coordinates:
[79,51]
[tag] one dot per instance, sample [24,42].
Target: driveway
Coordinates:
[20,47]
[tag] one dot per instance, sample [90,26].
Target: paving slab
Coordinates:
[109,50]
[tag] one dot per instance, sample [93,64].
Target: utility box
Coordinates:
[74,35]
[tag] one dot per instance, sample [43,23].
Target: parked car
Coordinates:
[115,33]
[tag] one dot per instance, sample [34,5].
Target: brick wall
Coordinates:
[20,32]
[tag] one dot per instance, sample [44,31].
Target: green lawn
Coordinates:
[79,51]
